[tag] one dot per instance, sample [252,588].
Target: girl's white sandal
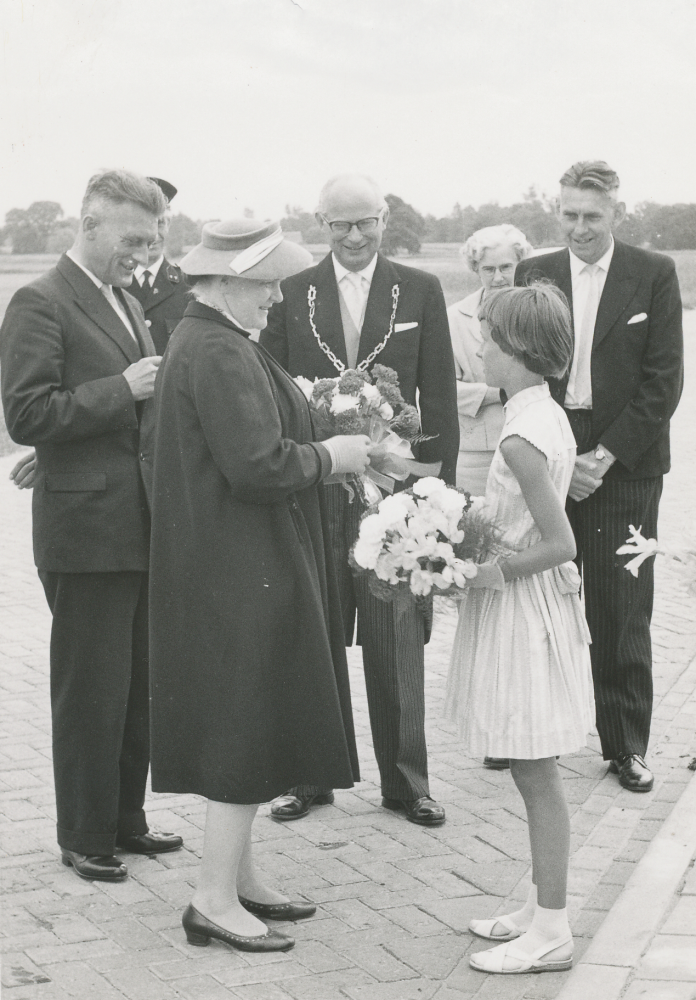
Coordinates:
[494,960]
[484,929]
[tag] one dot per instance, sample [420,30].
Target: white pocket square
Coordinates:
[399,327]
[638,318]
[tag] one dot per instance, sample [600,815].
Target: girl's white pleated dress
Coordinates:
[520,682]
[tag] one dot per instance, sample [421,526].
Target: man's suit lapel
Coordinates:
[90,300]
[327,315]
[618,291]
[147,346]
[379,306]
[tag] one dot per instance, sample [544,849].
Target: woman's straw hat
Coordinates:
[246,248]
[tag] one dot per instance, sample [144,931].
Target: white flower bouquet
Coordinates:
[359,402]
[424,540]
[642,548]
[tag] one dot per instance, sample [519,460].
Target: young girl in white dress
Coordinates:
[520,684]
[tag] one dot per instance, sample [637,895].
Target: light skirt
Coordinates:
[520,681]
[472,471]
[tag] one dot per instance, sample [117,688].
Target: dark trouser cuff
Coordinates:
[98,843]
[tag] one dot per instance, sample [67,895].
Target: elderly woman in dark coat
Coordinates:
[250,688]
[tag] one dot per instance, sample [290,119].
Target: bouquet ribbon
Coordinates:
[392,460]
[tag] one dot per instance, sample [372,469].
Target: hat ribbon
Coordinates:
[256,252]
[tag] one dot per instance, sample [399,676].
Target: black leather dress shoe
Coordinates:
[296,910]
[94,867]
[199,931]
[424,811]
[149,843]
[496,763]
[296,806]
[633,772]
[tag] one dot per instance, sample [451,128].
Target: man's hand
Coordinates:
[141,377]
[588,474]
[25,472]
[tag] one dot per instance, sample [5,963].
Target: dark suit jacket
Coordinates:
[421,355]
[63,351]
[164,303]
[637,368]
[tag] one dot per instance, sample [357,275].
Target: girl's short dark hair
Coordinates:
[532,324]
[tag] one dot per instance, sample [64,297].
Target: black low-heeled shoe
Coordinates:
[94,867]
[200,930]
[149,843]
[296,910]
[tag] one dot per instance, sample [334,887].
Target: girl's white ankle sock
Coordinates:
[547,925]
[523,918]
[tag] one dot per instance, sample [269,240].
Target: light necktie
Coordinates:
[582,389]
[108,293]
[352,288]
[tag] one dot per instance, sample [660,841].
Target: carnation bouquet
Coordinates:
[358,402]
[424,540]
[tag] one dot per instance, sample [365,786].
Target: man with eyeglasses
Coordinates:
[356,308]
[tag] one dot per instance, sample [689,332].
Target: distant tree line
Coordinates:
[42,228]
[662,227]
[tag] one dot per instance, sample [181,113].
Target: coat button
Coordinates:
[148,322]
[141,456]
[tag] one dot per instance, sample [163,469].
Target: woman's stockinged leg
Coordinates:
[250,885]
[227,842]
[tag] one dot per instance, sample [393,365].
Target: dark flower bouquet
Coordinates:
[369,403]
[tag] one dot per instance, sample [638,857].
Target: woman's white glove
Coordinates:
[489,575]
[349,452]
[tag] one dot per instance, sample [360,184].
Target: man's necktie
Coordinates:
[582,390]
[351,286]
[108,293]
[146,281]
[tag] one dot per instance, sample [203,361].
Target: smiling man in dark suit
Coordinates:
[78,371]
[353,309]
[622,388]
[158,285]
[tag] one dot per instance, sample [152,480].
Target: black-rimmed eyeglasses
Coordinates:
[343,228]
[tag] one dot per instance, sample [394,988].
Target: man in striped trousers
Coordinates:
[354,308]
[622,388]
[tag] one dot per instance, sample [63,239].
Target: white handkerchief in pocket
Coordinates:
[638,318]
[399,327]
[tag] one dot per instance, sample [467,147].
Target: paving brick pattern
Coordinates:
[394,900]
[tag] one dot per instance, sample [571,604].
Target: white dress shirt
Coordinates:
[108,293]
[354,291]
[152,268]
[583,324]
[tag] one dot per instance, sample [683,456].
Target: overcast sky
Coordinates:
[254,103]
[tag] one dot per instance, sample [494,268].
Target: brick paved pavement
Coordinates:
[394,899]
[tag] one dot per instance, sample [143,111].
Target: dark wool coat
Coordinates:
[250,690]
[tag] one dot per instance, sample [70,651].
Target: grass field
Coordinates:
[442,259]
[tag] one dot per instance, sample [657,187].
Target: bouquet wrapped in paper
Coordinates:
[424,540]
[359,402]
[642,548]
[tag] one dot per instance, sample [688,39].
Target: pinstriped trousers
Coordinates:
[618,606]
[393,661]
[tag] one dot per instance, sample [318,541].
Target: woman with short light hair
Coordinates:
[493,254]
